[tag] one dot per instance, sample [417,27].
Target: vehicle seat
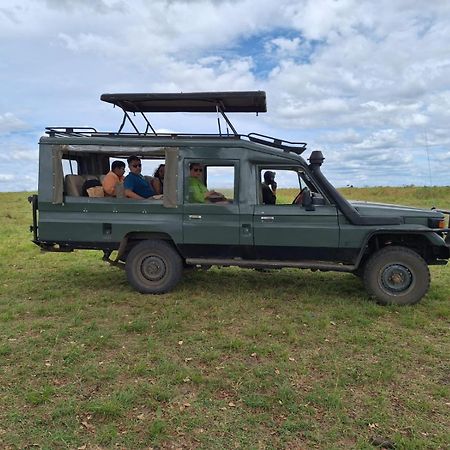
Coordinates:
[74,183]
[149,179]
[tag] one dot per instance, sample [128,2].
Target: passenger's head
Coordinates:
[134,164]
[269,176]
[159,172]
[196,170]
[118,167]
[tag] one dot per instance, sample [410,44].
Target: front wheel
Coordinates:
[396,276]
[153,267]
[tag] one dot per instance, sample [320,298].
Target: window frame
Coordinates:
[210,162]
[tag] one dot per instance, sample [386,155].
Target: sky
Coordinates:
[367,82]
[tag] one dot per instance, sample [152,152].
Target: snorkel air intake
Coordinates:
[351,214]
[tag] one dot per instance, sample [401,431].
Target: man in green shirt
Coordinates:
[198,192]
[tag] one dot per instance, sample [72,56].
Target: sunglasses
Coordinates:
[197,170]
[136,165]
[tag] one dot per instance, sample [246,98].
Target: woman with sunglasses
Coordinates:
[136,186]
[198,192]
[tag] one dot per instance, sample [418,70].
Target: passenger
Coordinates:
[198,192]
[113,178]
[269,188]
[158,179]
[136,186]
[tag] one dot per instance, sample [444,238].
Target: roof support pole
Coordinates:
[148,124]
[218,120]
[228,121]
[126,116]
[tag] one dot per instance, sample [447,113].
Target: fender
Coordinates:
[435,240]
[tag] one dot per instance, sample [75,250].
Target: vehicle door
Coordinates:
[292,232]
[211,227]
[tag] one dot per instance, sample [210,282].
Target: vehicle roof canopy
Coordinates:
[247,101]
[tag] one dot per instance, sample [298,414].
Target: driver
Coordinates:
[269,188]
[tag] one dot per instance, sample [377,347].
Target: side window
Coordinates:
[279,186]
[207,183]
[70,167]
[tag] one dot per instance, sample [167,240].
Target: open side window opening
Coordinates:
[284,185]
[210,182]
[75,165]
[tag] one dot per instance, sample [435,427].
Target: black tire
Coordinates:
[396,276]
[153,267]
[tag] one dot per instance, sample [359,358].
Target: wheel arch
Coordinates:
[430,246]
[134,237]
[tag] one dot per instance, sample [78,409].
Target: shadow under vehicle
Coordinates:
[389,246]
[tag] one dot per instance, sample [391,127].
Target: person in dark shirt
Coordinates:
[135,185]
[269,188]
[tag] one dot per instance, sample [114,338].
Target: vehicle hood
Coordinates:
[386,209]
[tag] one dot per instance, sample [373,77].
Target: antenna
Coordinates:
[428,156]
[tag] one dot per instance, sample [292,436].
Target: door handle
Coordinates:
[267,218]
[194,216]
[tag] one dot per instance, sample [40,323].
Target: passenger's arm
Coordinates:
[130,194]
[109,185]
[156,184]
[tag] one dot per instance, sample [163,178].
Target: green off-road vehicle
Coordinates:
[315,228]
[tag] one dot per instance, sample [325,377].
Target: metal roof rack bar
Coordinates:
[287,146]
[69,131]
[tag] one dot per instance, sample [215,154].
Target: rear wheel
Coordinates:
[396,276]
[153,267]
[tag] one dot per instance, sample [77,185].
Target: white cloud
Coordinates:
[9,123]
[379,140]
[283,47]
[98,6]
[359,79]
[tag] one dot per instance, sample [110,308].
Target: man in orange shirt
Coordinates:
[113,177]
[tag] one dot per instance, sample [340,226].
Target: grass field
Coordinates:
[231,359]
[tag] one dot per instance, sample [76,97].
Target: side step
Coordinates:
[268,264]
[53,247]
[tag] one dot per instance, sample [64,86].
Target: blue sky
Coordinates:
[366,82]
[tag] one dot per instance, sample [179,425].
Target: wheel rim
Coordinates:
[153,268]
[396,279]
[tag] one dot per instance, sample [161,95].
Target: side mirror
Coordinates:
[307,201]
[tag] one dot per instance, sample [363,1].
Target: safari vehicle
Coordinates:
[389,246]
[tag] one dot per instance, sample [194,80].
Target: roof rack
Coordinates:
[219,102]
[70,131]
[287,146]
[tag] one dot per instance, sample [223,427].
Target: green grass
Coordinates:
[231,359]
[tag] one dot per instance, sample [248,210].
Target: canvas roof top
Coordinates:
[240,101]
